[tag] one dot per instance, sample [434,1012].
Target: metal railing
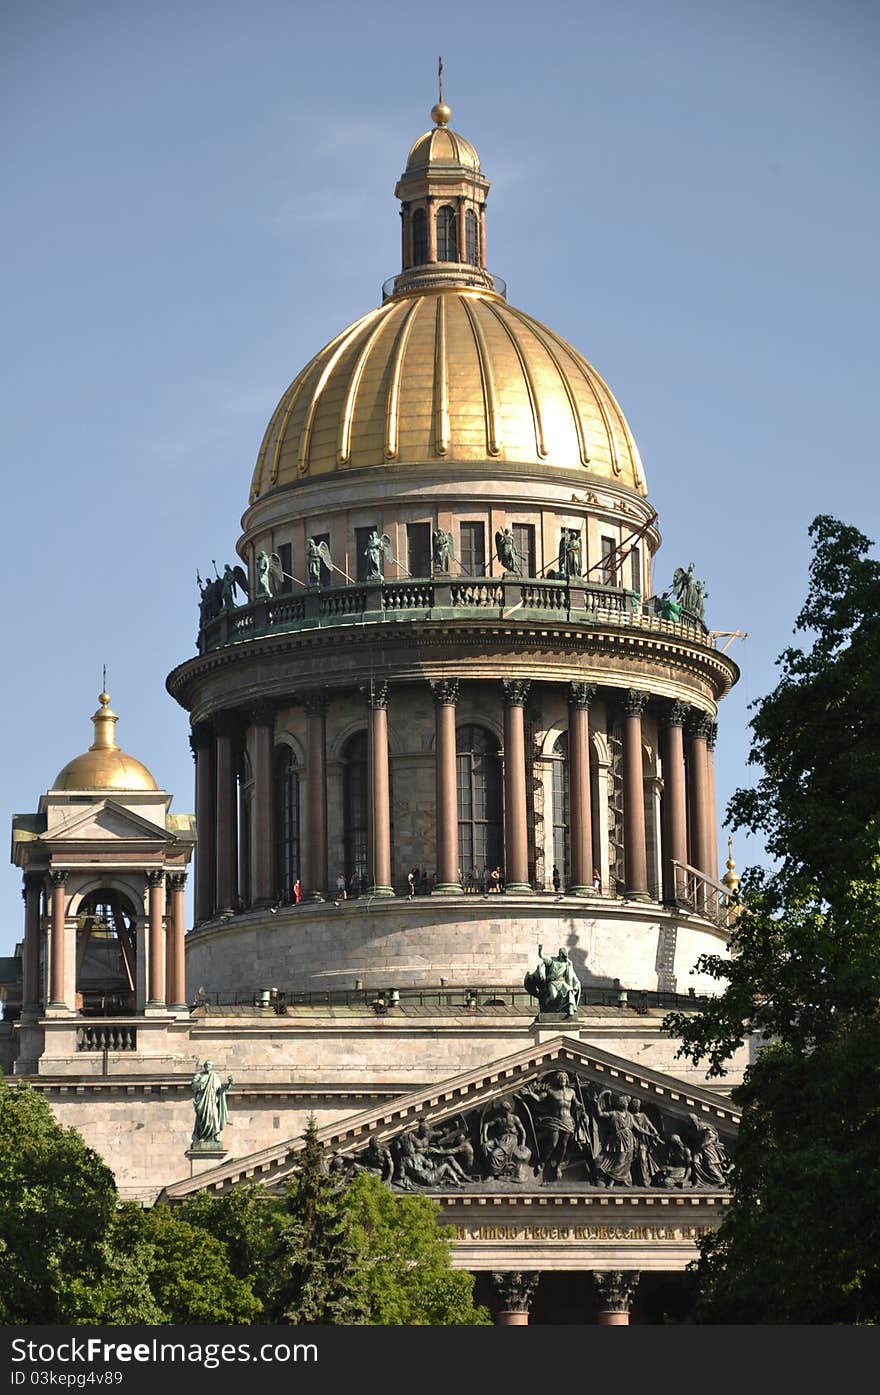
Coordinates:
[634,999]
[704,896]
[432,274]
[433,598]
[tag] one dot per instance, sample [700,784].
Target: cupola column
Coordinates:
[263,842]
[516,846]
[227,815]
[431,214]
[698,789]
[156,967]
[405,260]
[674,808]
[30,964]
[462,230]
[316,803]
[615,1290]
[580,812]
[175,977]
[202,743]
[57,985]
[483,236]
[445,698]
[634,845]
[379,807]
[711,811]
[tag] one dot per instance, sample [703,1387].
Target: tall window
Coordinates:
[524,540]
[354,795]
[420,237]
[418,549]
[472,550]
[285,557]
[286,822]
[636,570]
[479,800]
[470,232]
[609,563]
[561,842]
[447,234]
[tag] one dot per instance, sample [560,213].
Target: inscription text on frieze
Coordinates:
[581,1232]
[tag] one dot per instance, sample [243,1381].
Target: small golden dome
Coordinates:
[447,374]
[442,146]
[104,766]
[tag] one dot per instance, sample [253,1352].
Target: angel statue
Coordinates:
[441,547]
[270,575]
[318,553]
[689,592]
[506,550]
[554,983]
[232,577]
[378,546]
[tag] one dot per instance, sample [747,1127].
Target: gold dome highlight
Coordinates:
[104,766]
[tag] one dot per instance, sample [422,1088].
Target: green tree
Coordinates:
[801,1240]
[317,1273]
[405,1259]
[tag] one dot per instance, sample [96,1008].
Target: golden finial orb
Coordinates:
[441,114]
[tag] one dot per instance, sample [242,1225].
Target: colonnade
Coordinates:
[165,927]
[688,833]
[514,1291]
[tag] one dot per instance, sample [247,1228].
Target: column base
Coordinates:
[316,897]
[262,903]
[637,896]
[381,891]
[585,891]
[59,1010]
[448,889]
[178,1008]
[155,1009]
[517,886]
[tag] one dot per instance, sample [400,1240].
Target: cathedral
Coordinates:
[455,839]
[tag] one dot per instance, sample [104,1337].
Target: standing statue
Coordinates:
[269,575]
[690,593]
[570,553]
[506,549]
[232,577]
[554,983]
[206,601]
[709,1160]
[616,1151]
[561,1120]
[209,1103]
[378,546]
[648,1140]
[317,553]
[669,607]
[503,1141]
[441,548]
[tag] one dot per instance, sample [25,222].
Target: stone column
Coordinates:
[263,809]
[431,219]
[483,236]
[316,803]
[634,846]
[698,789]
[579,806]
[711,810]
[379,807]
[32,892]
[615,1289]
[513,1293]
[516,841]
[404,237]
[202,743]
[226,883]
[462,231]
[175,976]
[156,969]
[59,911]
[675,847]
[445,697]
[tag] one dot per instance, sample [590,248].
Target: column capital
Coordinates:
[516,691]
[32,881]
[712,735]
[673,714]
[445,691]
[514,1289]
[699,724]
[155,877]
[227,723]
[616,1288]
[176,880]
[201,737]
[377,695]
[262,713]
[58,876]
[581,694]
[315,704]
[635,702]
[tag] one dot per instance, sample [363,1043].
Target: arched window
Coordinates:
[355,808]
[286,822]
[419,237]
[447,235]
[561,842]
[106,952]
[470,232]
[479,800]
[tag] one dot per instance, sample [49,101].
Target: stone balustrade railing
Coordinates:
[106,1036]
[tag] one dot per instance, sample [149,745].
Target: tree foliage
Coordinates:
[801,1240]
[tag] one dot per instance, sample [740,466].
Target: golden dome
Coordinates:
[442,146]
[447,374]
[104,766]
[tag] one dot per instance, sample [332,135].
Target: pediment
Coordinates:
[108,822]
[517,1127]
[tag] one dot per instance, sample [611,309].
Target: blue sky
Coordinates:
[198,195]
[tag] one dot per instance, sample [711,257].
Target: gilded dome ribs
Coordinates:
[537,421]
[586,374]
[579,424]
[344,452]
[490,401]
[392,403]
[305,440]
[290,399]
[441,385]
